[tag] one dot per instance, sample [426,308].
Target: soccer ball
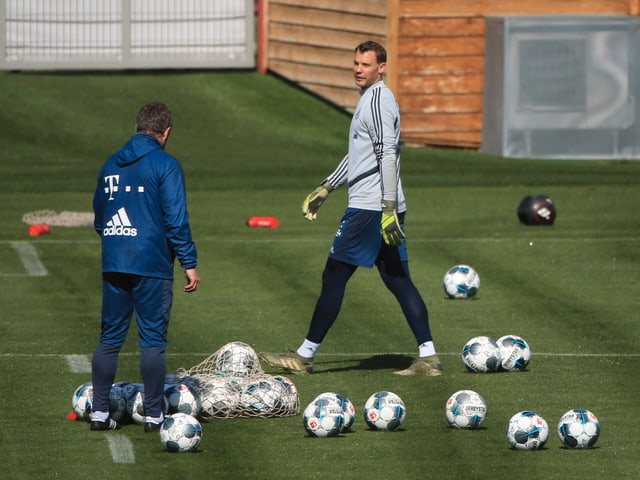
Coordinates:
[347,407]
[237,359]
[536,210]
[288,395]
[481,354]
[323,417]
[219,399]
[260,396]
[461,281]
[82,400]
[135,407]
[527,430]
[180,433]
[130,391]
[514,352]
[384,411]
[465,409]
[579,428]
[182,398]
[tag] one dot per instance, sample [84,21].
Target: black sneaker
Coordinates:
[108,424]
[152,427]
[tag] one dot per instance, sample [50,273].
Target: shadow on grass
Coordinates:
[375,362]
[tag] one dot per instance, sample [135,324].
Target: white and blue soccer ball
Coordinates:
[260,397]
[527,430]
[180,432]
[219,398]
[347,407]
[182,398]
[461,281]
[481,354]
[237,359]
[323,417]
[515,353]
[82,401]
[135,407]
[130,391]
[579,428]
[288,401]
[385,411]
[465,409]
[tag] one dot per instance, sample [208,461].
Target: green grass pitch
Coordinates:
[253,145]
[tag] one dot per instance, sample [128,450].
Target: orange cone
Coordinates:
[266,222]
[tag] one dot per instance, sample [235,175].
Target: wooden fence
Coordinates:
[436,53]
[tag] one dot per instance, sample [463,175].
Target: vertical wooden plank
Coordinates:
[263,35]
[634,7]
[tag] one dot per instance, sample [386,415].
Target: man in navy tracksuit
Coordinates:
[141,216]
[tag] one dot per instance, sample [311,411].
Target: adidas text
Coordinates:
[120,231]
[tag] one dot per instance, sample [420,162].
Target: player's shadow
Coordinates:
[375,362]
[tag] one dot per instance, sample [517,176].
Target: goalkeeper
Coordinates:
[371,230]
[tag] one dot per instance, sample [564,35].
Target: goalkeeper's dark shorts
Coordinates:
[358,240]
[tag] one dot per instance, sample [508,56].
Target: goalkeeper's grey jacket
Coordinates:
[371,168]
[141,211]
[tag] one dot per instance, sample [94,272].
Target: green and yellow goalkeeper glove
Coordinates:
[314,200]
[392,234]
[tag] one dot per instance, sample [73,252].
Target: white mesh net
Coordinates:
[62,219]
[231,383]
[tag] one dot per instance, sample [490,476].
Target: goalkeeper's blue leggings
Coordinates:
[395,275]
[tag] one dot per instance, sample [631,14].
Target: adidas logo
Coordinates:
[120,225]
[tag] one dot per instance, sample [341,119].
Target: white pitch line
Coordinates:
[328,355]
[30,259]
[540,354]
[79,363]
[121,448]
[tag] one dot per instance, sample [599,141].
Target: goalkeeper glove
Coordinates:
[313,201]
[392,234]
